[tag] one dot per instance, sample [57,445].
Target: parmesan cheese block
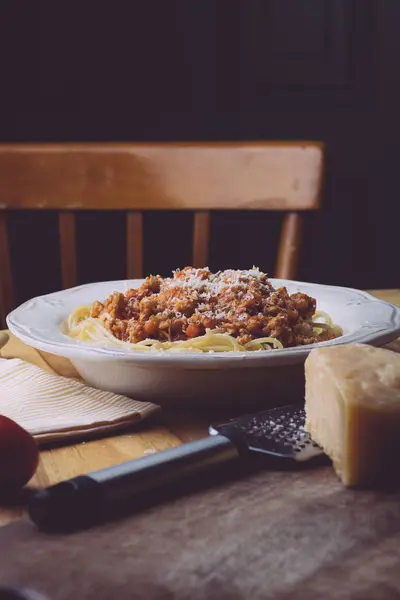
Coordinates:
[353,411]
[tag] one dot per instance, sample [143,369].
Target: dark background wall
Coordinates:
[206,70]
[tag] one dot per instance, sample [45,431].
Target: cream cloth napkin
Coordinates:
[53,408]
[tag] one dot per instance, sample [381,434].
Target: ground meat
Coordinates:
[241,303]
[97,309]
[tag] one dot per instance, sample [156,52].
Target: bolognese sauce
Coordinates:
[241,303]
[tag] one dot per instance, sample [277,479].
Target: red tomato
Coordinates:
[19,455]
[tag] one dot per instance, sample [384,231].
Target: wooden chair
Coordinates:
[134,177]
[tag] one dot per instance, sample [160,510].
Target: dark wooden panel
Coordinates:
[299,43]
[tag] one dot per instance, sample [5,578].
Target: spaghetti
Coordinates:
[200,311]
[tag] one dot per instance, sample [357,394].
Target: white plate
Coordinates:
[163,377]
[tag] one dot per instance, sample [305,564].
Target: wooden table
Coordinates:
[172,429]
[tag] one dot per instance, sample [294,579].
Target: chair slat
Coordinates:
[289,246]
[201,238]
[67,229]
[169,176]
[134,245]
[6,282]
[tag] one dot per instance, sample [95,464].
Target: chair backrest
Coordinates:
[134,177]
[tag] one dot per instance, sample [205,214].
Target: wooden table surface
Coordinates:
[171,429]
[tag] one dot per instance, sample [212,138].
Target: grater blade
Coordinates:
[278,432]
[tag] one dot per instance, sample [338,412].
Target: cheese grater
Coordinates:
[278,433]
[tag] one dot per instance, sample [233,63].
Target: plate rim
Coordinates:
[75,350]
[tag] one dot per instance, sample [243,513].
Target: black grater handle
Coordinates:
[73,503]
